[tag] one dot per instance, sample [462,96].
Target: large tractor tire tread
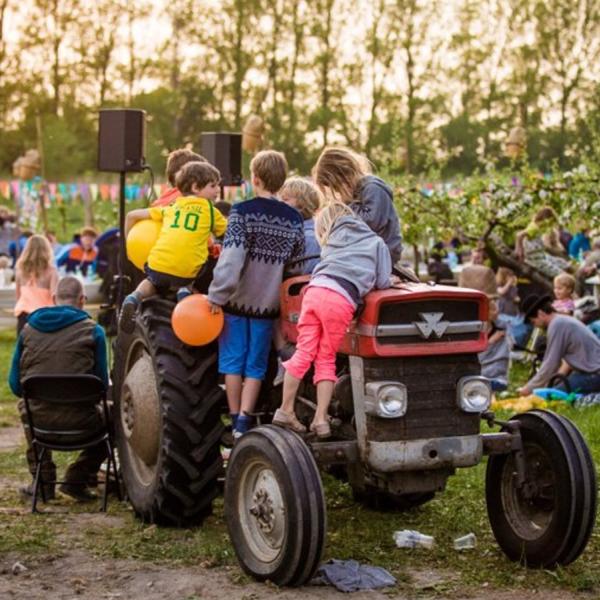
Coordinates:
[189,464]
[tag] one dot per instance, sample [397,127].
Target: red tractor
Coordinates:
[406,414]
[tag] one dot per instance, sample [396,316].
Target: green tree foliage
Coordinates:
[412,83]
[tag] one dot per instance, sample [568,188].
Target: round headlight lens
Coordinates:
[392,401]
[476,396]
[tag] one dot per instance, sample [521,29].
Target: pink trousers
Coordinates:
[324,319]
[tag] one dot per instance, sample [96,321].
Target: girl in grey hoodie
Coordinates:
[354,260]
[345,176]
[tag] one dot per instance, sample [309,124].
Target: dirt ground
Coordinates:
[75,573]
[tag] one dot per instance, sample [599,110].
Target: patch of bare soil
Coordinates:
[11,438]
[79,575]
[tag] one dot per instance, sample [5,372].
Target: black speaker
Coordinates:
[121,140]
[224,151]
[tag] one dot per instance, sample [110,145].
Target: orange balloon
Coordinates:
[193,323]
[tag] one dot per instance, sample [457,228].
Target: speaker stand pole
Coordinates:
[122,240]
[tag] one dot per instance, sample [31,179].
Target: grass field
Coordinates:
[353,531]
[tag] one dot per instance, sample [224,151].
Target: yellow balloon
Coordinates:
[141,238]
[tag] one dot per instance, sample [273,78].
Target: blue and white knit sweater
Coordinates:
[263,234]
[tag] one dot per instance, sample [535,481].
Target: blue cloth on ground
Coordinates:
[350,576]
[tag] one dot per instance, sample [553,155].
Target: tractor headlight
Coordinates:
[386,399]
[474,394]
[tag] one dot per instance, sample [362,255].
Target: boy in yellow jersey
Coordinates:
[181,249]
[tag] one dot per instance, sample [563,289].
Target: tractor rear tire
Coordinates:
[548,520]
[274,506]
[167,420]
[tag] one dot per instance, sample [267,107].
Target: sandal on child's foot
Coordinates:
[288,421]
[321,430]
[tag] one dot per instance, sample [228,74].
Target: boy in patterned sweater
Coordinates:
[263,234]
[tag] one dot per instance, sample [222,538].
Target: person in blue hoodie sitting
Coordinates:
[62,339]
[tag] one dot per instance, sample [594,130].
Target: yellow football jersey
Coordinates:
[182,245]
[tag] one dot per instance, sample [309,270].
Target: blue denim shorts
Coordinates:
[244,346]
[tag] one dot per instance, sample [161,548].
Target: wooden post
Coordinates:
[44,187]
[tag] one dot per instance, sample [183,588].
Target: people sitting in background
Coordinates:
[36,278]
[495,358]
[7,230]
[175,161]
[508,294]
[479,277]
[81,257]
[477,255]
[589,267]
[61,339]
[580,244]
[438,269]
[16,247]
[6,273]
[538,245]
[306,199]
[572,349]
[564,294]
[181,250]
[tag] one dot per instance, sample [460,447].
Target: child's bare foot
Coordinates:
[322,430]
[288,421]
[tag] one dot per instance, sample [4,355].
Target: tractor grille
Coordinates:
[432,410]
[428,321]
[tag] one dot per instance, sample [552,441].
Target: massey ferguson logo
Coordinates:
[432,323]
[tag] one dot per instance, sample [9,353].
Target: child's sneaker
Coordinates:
[183,293]
[128,311]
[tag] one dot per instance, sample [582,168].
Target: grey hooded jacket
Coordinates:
[374,204]
[357,255]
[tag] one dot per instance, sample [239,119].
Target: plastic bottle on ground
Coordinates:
[408,538]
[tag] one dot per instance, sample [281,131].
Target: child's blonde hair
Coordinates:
[308,197]
[503,275]
[271,168]
[326,220]
[565,280]
[338,171]
[37,257]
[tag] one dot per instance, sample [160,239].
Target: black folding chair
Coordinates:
[61,391]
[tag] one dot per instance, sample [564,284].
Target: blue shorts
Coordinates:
[244,346]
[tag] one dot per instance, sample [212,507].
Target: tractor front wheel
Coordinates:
[547,519]
[274,506]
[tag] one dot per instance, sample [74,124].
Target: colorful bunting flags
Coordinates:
[58,192]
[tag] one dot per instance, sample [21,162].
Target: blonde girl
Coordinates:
[306,199]
[345,176]
[36,278]
[353,262]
